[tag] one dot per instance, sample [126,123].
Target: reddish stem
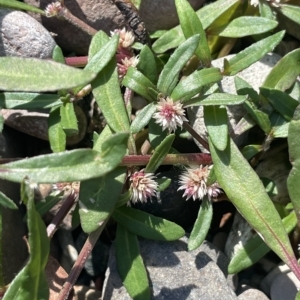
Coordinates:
[80,262]
[79,61]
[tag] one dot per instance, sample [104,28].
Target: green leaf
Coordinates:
[56,134]
[98,41]
[169,75]
[281,131]
[192,84]
[251,150]
[215,119]
[156,135]
[241,184]
[201,225]
[266,11]
[281,101]
[30,283]
[216,99]
[245,26]
[191,25]
[163,183]
[103,56]
[147,64]
[294,156]
[255,248]
[29,100]
[253,53]
[7,202]
[1,122]
[244,88]
[75,165]
[98,197]
[291,11]
[37,75]
[143,118]
[260,117]
[207,15]
[107,93]
[159,154]
[43,207]
[20,6]
[146,225]
[130,265]
[68,119]
[285,72]
[139,83]
[57,55]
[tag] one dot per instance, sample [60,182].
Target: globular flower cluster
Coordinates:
[169,114]
[53,9]
[143,186]
[274,3]
[125,55]
[194,183]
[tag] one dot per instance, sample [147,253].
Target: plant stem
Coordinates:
[195,135]
[78,61]
[170,159]
[63,211]
[80,262]
[67,15]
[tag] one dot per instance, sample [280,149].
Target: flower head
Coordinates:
[125,63]
[143,186]
[53,9]
[169,114]
[254,2]
[126,39]
[194,183]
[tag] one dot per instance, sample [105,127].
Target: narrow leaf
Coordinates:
[215,119]
[247,25]
[30,283]
[281,101]
[68,119]
[285,72]
[56,134]
[255,248]
[159,154]
[107,93]
[97,42]
[207,15]
[29,100]
[250,150]
[169,75]
[201,225]
[147,64]
[21,6]
[37,75]
[156,135]
[247,193]
[130,265]
[294,154]
[192,85]
[75,165]
[139,83]
[146,225]
[291,11]
[7,202]
[253,53]
[98,197]
[216,99]
[260,117]
[143,118]
[191,25]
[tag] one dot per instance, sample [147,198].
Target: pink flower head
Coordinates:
[53,9]
[193,182]
[126,39]
[169,114]
[143,186]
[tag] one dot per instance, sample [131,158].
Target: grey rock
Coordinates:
[252,294]
[23,36]
[175,273]
[284,286]
[254,75]
[161,14]
[99,14]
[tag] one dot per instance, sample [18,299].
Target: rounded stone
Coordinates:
[23,36]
